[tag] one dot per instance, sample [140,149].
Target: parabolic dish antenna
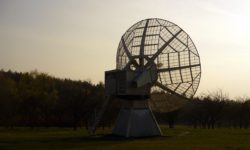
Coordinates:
[152,52]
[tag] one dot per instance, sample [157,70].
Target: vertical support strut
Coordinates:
[169,71]
[179,61]
[141,59]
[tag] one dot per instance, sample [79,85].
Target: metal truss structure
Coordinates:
[165,44]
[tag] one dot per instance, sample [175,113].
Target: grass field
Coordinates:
[180,138]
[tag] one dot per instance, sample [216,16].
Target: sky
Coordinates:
[78,39]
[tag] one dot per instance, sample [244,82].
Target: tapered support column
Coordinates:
[135,119]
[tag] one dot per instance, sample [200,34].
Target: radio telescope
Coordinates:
[152,52]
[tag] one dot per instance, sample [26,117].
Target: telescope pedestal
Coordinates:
[135,119]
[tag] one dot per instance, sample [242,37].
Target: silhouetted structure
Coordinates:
[153,52]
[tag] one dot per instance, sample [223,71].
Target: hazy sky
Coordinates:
[78,39]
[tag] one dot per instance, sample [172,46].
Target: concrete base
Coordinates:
[136,120]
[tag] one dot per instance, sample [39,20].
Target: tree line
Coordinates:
[216,110]
[213,110]
[36,99]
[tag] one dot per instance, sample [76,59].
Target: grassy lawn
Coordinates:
[180,138]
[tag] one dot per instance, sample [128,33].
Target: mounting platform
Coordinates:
[135,119]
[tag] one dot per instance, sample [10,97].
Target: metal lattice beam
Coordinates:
[177,68]
[162,48]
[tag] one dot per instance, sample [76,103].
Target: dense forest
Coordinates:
[36,99]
